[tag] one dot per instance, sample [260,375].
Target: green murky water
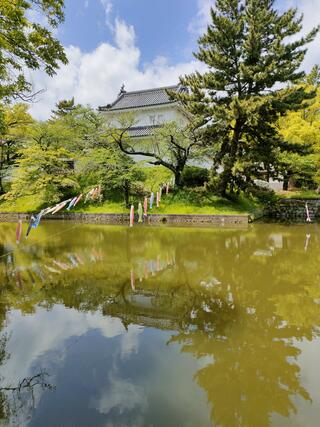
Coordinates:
[163,327]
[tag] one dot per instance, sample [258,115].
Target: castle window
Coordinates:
[152,119]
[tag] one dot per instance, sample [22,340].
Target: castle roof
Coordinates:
[141,98]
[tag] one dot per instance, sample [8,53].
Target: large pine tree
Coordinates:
[254,57]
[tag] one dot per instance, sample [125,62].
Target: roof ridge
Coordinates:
[145,105]
[145,126]
[150,89]
[120,96]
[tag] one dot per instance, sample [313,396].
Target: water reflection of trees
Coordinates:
[21,396]
[238,300]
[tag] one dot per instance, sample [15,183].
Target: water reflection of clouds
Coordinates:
[121,395]
[308,413]
[130,341]
[235,300]
[42,341]
[33,336]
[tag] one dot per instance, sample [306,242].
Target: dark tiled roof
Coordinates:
[141,131]
[141,98]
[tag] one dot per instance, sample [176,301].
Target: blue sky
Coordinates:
[161,26]
[142,43]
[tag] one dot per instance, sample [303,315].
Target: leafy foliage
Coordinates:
[171,145]
[154,177]
[64,107]
[301,129]
[251,50]
[24,43]
[16,122]
[43,173]
[194,176]
[112,169]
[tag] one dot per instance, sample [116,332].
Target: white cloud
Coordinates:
[108,6]
[309,8]
[200,22]
[124,35]
[95,77]
[130,341]
[311,13]
[311,18]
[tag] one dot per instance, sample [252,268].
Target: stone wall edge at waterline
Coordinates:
[102,218]
[294,210]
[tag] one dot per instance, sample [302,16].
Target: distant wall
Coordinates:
[294,210]
[215,220]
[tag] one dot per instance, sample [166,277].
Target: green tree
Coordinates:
[85,125]
[154,177]
[45,163]
[69,152]
[98,160]
[171,145]
[302,129]
[251,51]
[27,44]
[45,173]
[64,107]
[313,78]
[112,169]
[15,123]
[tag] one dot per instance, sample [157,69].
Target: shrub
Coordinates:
[154,176]
[262,194]
[194,176]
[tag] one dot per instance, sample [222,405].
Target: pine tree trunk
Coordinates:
[225,179]
[227,174]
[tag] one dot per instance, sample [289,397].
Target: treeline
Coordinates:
[69,153]
[76,149]
[254,115]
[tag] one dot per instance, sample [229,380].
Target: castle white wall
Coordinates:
[149,116]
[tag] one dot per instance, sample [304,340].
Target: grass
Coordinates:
[298,194]
[26,204]
[106,207]
[182,202]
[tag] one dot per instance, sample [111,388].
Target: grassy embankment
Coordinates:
[299,194]
[183,202]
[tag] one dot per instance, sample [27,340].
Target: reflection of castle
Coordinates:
[144,309]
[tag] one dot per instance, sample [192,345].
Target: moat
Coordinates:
[160,326]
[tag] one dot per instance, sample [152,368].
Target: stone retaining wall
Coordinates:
[294,210]
[217,220]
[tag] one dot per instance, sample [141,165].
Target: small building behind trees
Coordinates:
[149,109]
